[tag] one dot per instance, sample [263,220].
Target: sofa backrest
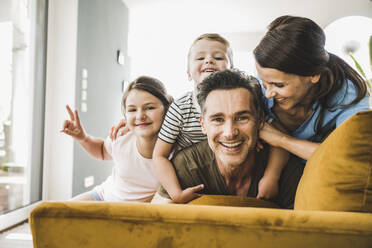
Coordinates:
[338,176]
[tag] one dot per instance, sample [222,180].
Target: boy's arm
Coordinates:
[94,146]
[164,168]
[167,175]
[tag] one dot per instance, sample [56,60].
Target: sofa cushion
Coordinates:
[338,177]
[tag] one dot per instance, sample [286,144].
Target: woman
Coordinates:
[309,91]
[133,178]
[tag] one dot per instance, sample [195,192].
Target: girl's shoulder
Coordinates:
[127,138]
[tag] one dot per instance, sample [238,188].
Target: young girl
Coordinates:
[308,90]
[144,105]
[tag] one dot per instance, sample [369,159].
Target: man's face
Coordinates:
[231,123]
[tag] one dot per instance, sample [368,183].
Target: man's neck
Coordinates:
[238,178]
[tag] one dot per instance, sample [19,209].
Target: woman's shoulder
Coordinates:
[343,97]
[346,94]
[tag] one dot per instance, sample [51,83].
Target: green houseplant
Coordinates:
[360,69]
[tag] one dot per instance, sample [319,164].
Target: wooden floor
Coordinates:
[17,237]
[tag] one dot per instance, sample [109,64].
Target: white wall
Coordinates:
[161,31]
[60,90]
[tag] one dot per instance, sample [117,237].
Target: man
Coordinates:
[228,162]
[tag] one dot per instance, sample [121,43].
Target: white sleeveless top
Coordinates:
[133,177]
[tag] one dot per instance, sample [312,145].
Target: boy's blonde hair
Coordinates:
[213,37]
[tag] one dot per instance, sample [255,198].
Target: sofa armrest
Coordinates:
[102,224]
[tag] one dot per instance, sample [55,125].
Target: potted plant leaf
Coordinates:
[360,69]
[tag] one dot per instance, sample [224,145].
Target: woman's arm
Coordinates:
[301,148]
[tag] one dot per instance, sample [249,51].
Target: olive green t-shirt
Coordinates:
[197,165]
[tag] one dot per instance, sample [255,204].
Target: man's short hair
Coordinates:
[227,80]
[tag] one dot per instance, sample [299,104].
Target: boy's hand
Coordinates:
[268,188]
[73,126]
[119,130]
[188,194]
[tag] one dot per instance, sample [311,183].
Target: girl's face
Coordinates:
[288,90]
[206,57]
[144,113]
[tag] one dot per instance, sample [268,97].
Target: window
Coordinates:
[22,77]
[350,34]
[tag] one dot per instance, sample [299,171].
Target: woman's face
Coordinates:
[288,90]
[144,113]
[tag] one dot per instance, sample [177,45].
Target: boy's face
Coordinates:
[206,57]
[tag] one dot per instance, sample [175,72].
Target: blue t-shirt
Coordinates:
[332,117]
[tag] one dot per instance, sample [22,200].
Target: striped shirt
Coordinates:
[182,122]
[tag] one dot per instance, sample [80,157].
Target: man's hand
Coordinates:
[119,130]
[268,188]
[188,194]
[73,126]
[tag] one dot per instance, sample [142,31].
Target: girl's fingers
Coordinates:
[67,131]
[66,124]
[70,112]
[78,123]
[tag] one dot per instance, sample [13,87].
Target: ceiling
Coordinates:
[244,15]
[161,31]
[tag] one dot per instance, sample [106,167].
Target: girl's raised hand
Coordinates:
[73,126]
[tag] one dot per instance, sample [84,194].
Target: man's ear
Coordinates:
[203,125]
[262,120]
[315,79]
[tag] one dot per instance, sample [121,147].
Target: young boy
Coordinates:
[208,53]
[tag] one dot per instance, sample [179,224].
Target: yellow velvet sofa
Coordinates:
[333,208]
